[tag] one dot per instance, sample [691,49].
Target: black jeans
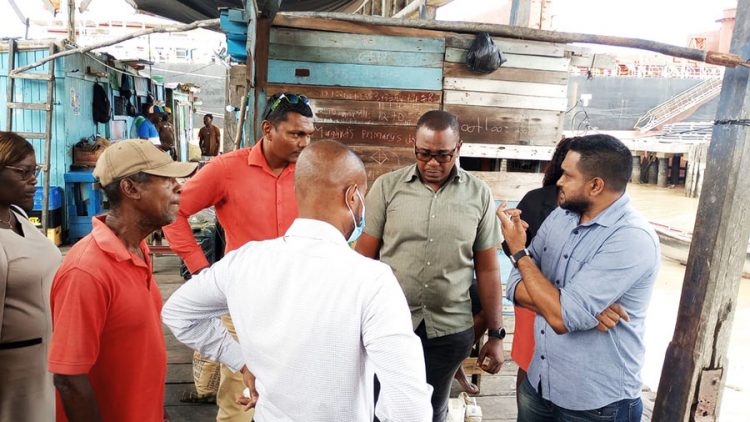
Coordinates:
[442,357]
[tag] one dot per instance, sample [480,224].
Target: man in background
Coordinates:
[209,137]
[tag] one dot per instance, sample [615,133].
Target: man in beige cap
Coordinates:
[107,351]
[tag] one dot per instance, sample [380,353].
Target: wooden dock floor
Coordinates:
[497,397]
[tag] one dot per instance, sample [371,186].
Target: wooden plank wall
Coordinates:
[35,120]
[521,103]
[367,91]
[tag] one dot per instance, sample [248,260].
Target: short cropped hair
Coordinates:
[112,190]
[606,157]
[438,120]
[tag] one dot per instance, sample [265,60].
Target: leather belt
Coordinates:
[20,344]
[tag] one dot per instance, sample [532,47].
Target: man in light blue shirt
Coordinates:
[588,274]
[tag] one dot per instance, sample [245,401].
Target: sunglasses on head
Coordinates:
[292,99]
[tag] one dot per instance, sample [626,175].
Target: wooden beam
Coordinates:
[712,57]
[208,23]
[695,363]
[409,9]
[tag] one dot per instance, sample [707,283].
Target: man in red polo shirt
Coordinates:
[107,351]
[252,190]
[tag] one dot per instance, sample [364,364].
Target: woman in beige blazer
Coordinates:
[28,261]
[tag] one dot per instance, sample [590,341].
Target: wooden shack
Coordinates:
[369,84]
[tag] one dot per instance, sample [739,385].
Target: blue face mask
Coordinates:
[358,228]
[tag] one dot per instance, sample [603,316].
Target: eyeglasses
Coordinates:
[26,173]
[441,157]
[292,99]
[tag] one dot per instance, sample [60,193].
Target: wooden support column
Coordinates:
[653,171]
[427,12]
[236,87]
[520,13]
[663,170]
[635,177]
[694,369]
[675,170]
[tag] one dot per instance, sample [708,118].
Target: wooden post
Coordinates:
[695,363]
[520,13]
[675,175]
[427,12]
[236,88]
[635,176]
[661,178]
[653,170]
[72,21]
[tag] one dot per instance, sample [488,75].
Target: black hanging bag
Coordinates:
[483,55]
[102,109]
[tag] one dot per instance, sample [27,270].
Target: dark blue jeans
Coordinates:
[533,408]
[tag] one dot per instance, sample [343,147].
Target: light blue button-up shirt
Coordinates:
[613,258]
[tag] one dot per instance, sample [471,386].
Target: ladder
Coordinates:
[669,110]
[47,106]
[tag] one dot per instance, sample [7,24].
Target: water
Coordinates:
[669,206]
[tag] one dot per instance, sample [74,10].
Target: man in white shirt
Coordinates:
[314,318]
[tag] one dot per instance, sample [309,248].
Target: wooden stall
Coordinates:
[369,85]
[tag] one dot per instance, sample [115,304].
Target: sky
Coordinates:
[670,21]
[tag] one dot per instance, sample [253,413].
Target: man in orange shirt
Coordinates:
[107,351]
[252,190]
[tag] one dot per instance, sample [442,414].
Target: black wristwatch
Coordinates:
[518,255]
[499,333]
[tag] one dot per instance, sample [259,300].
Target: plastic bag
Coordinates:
[483,55]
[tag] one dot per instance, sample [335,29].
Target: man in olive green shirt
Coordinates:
[435,225]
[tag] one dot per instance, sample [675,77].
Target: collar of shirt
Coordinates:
[112,245]
[456,174]
[315,229]
[257,159]
[610,215]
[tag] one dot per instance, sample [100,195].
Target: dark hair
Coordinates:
[13,148]
[438,120]
[279,114]
[606,157]
[112,190]
[209,115]
[554,168]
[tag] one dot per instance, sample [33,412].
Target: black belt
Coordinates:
[20,344]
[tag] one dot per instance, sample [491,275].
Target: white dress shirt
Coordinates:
[315,320]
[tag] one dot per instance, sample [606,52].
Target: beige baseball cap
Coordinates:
[131,156]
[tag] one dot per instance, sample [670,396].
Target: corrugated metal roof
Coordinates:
[193,10]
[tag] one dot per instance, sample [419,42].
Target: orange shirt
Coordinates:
[523,338]
[106,323]
[251,203]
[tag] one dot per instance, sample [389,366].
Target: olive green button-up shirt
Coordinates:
[429,239]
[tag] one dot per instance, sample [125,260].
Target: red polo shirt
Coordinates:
[106,323]
[251,203]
